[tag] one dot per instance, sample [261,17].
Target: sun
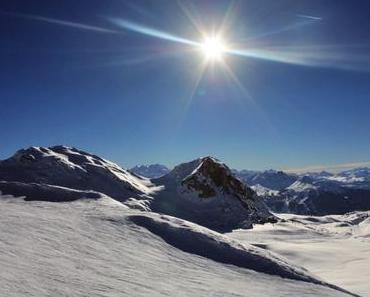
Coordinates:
[213,48]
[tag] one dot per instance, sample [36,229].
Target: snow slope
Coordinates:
[102,248]
[335,247]
[73,168]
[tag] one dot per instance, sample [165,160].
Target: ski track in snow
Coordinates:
[94,248]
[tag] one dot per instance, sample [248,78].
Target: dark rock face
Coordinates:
[221,177]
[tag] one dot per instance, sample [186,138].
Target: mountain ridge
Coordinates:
[61,173]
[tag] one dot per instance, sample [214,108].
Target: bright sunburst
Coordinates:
[213,48]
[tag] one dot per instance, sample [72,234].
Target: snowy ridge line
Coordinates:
[46,192]
[73,168]
[194,239]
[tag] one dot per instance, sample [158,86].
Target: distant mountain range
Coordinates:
[271,179]
[317,193]
[321,194]
[150,171]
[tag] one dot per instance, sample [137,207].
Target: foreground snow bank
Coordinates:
[335,247]
[93,248]
[201,241]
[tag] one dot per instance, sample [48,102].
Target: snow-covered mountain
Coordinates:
[312,192]
[271,179]
[206,192]
[359,177]
[321,196]
[70,168]
[150,171]
[202,191]
[356,177]
[263,191]
[318,175]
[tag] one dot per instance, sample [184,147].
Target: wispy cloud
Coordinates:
[310,17]
[66,23]
[331,168]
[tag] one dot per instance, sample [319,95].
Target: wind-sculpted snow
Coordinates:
[198,240]
[201,241]
[93,248]
[334,247]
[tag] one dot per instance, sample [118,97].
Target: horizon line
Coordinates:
[330,168]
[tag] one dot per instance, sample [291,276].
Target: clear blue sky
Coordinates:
[69,75]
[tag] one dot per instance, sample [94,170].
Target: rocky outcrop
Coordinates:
[205,191]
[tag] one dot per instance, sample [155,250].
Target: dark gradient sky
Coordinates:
[128,97]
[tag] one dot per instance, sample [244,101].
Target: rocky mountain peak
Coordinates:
[211,176]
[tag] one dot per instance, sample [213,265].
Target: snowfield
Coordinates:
[335,247]
[103,248]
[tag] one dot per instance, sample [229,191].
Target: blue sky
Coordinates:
[69,75]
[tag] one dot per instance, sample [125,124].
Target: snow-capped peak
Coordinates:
[205,191]
[212,176]
[72,168]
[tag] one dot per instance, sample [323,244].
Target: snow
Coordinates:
[300,186]
[263,191]
[321,196]
[102,248]
[72,168]
[336,247]
[109,235]
[271,179]
[150,171]
[33,173]
[346,179]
